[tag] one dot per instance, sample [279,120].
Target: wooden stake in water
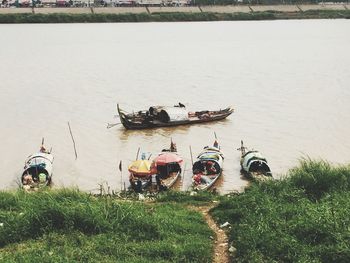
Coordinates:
[191,155]
[137,155]
[183,176]
[121,175]
[71,134]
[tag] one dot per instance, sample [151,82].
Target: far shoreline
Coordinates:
[172,14]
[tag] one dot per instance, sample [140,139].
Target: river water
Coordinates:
[289,82]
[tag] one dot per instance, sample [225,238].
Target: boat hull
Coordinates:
[207,179]
[168,182]
[168,166]
[133,125]
[39,168]
[255,167]
[140,184]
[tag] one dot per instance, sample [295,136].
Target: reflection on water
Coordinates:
[286,81]
[166,132]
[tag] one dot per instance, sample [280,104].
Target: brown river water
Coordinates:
[289,82]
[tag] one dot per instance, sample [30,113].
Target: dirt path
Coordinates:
[221,241]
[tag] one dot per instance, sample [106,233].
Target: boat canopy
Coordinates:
[177,113]
[251,157]
[210,156]
[167,114]
[167,158]
[140,167]
[39,160]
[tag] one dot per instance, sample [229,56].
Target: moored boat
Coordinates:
[165,116]
[140,174]
[37,170]
[167,166]
[254,164]
[208,167]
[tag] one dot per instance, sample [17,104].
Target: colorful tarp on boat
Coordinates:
[166,158]
[140,167]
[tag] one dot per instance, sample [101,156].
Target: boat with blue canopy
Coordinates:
[254,164]
[37,170]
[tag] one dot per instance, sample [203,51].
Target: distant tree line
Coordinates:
[261,2]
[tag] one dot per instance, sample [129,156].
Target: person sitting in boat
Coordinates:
[160,184]
[197,178]
[200,178]
[42,178]
[210,167]
[135,183]
[27,179]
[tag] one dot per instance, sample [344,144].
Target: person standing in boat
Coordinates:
[43,149]
[216,144]
[173,147]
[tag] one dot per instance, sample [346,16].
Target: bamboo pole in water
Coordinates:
[191,155]
[121,175]
[183,175]
[71,134]
[137,155]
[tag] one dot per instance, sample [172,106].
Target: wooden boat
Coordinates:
[37,170]
[140,174]
[163,116]
[167,166]
[254,165]
[207,168]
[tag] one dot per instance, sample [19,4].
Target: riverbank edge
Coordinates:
[299,218]
[20,18]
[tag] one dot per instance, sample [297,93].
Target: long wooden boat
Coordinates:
[167,166]
[37,170]
[164,116]
[207,168]
[254,164]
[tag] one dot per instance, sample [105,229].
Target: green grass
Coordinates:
[71,226]
[187,198]
[168,17]
[302,218]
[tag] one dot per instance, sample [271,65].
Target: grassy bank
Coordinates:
[169,17]
[304,218]
[70,226]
